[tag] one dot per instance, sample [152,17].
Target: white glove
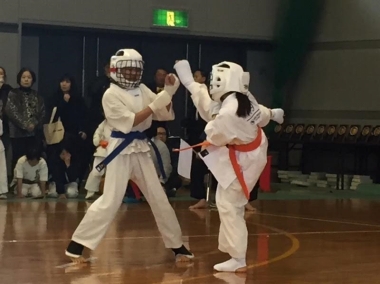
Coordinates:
[184,72]
[172,89]
[278,115]
[161,101]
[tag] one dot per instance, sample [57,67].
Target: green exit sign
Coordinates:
[170,18]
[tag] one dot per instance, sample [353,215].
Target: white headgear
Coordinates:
[227,77]
[126,58]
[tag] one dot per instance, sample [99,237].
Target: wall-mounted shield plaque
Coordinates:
[353,134]
[341,133]
[364,134]
[288,132]
[309,132]
[374,137]
[320,132]
[298,132]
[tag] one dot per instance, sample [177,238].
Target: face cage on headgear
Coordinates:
[121,80]
[210,84]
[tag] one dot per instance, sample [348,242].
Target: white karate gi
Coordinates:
[228,128]
[3,165]
[134,163]
[32,176]
[102,133]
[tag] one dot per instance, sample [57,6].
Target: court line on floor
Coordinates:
[90,259]
[294,247]
[201,236]
[277,232]
[317,219]
[330,232]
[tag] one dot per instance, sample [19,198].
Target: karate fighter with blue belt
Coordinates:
[129,108]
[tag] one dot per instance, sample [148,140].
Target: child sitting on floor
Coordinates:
[31,174]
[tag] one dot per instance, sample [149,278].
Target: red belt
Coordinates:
[243,148]
[232,153]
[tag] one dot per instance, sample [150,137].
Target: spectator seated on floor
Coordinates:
[171,182]
[65,174]
[31,174]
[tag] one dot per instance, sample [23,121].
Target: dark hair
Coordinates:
[73,88]
[244,103]
[203,73]
[19,75]
[164,127]
[5,72]
[33,153]
[152,131]
[161,68]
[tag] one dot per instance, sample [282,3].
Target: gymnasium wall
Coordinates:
[252,19]
[339,82]
[9,50]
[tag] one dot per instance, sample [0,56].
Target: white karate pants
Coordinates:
[139,168]
[3,172]
[33,190]
[71,190]
[233,233]
[94,178]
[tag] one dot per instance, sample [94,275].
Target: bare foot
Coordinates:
[250,208]
[183,258]
[182,264]
[62,196]
[202,204]
[182,254]
[78,260]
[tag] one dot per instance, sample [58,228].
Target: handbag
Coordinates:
[54,131]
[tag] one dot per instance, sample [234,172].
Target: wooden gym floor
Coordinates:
[317,241]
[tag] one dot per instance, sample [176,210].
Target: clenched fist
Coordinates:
[170,80]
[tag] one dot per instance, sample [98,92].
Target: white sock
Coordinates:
[241,261]
[231,265]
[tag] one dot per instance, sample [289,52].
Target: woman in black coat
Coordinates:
[72,111]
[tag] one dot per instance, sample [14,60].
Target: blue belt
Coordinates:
[128,138]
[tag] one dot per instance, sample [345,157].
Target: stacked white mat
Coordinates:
[318,179]
[289,176]
[332,180]
[358,180]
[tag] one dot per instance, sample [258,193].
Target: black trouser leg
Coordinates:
[197,174]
